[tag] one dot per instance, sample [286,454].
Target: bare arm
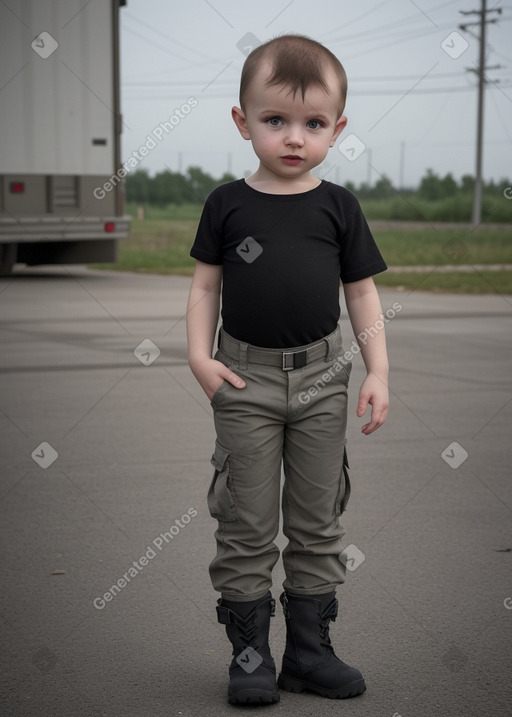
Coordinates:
[202,317]
[365,312]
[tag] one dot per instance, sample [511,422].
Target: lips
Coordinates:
[291,159]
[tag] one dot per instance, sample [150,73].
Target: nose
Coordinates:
[294,137]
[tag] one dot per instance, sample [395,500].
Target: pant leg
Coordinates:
[244,493]
[316,485]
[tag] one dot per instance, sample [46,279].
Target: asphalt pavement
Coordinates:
[106,604]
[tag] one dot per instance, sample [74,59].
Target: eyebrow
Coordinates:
[309,115]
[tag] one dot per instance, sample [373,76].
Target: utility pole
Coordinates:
[480,71]
[369,168]
[401,181]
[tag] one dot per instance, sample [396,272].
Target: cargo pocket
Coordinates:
[345,488]
[221,502]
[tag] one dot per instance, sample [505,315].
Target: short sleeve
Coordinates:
[207,245]
[360,256]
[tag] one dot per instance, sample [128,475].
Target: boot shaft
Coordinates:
[309,662]
[307,628]
[252,674]
[247,624]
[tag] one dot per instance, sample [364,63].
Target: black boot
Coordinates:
[309,662]
[252,672]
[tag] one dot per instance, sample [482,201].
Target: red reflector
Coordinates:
[17,187]
[110,226]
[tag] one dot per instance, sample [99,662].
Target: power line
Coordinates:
[369,78]
[355,93]
[382,28]
[483,22]
[166,36]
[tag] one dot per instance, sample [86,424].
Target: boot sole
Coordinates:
[293,684]
[253,696]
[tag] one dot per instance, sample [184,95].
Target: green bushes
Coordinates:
[450,209]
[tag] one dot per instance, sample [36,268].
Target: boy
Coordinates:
[278,243]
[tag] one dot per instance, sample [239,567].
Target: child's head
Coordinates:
[291,131]
[297,62]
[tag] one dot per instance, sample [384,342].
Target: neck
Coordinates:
[273,184]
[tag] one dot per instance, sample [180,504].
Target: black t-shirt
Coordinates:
[282,257]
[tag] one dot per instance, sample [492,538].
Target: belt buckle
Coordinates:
[298,359]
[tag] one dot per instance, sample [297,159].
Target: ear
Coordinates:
[338,129]
[240,120]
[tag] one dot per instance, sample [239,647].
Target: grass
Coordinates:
[450,209]
[409,247]
[161,245]
[478,282]
[156,246]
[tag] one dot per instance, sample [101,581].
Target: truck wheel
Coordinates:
[7,258]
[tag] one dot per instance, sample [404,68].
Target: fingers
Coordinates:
[211,375]
[362,406]
[377,418]
[233,379]
[378,414]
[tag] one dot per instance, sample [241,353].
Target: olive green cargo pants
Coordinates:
[292,412]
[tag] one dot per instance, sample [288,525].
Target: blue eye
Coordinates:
[314,124]
[274,121]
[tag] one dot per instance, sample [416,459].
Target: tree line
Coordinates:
[194,186]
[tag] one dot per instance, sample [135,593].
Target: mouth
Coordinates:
[291,159]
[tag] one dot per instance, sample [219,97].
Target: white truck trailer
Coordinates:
[60,126]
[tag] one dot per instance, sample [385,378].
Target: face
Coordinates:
[290,135]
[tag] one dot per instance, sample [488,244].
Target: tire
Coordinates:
[7,258]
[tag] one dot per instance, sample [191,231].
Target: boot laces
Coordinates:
[247,631]
[325,618]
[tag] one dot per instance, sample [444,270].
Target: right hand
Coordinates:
[210,374]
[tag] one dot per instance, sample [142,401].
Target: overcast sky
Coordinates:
[411,103]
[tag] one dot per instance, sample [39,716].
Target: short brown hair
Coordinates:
[298,61]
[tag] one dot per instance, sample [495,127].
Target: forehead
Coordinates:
[260,93]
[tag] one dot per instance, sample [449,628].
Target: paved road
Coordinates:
[104,468]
